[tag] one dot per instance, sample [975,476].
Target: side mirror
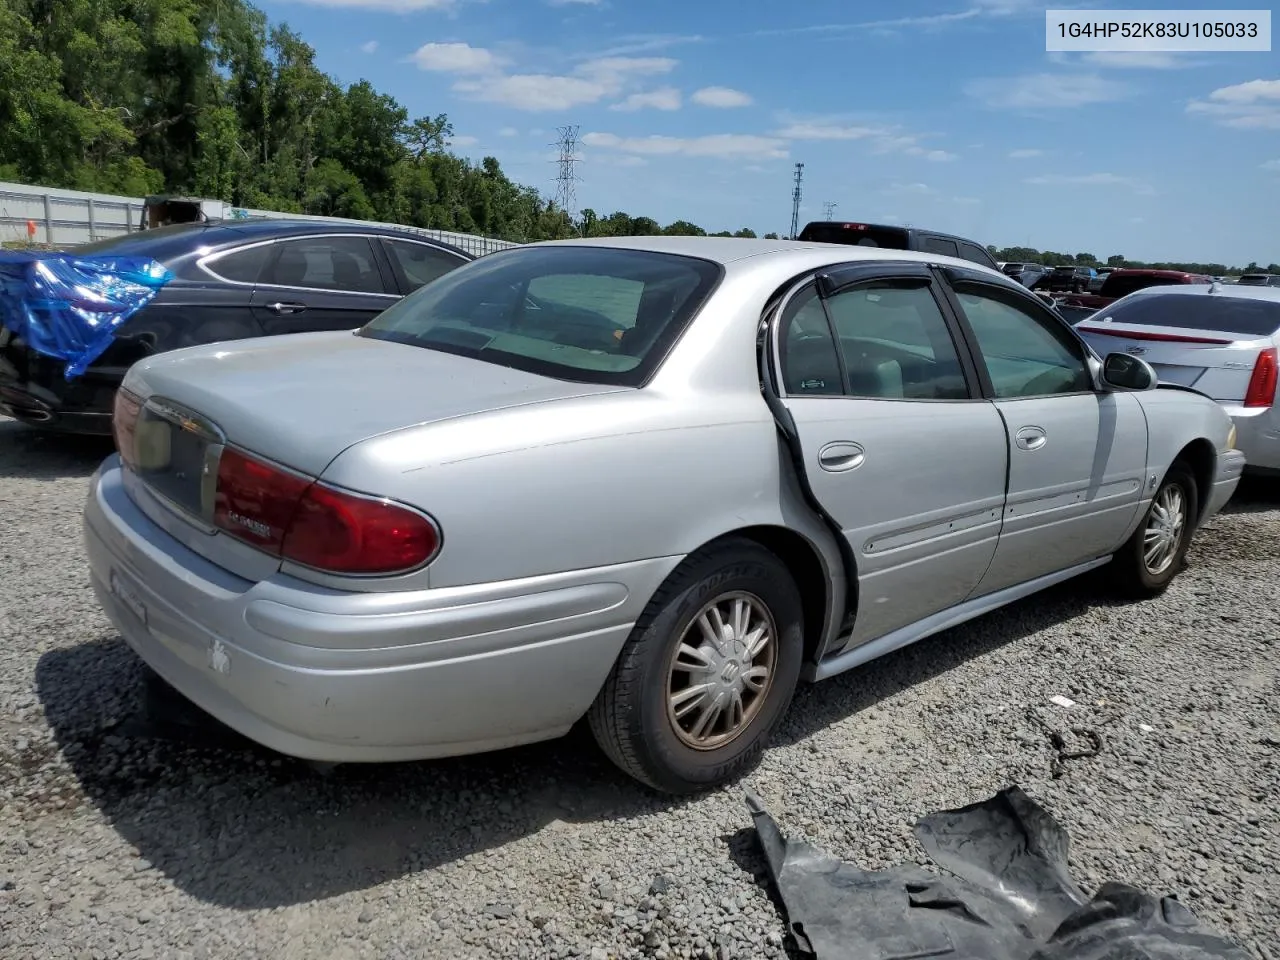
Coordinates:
[1123,372]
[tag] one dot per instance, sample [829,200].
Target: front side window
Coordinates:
[326,263]
[594,314]
[1026,355]
[419,263]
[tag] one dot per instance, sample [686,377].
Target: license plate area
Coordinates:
[127,598]
[177,453]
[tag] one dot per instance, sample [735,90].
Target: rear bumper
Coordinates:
[1257,436]
[341,677]
[32,391]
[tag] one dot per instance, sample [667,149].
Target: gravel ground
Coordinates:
[116,846]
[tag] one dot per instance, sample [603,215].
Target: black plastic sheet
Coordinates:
[1008,895]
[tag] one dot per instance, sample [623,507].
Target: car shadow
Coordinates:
[235,825]
[1256,494]
[28,453]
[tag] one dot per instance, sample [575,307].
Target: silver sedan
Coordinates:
[650,481]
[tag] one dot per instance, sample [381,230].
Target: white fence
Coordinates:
[69,217]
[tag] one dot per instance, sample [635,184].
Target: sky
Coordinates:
[940,113]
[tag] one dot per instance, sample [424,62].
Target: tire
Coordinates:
[1134,575]
[630,717]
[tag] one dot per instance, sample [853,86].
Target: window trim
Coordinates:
[830,281]
[208,261]
[398,276]
[954,277]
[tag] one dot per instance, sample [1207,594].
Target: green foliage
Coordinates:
[1051,258]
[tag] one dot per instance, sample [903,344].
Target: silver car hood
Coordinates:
[301,399]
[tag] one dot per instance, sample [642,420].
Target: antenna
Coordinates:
[567,174]
[796,194]
[829,210]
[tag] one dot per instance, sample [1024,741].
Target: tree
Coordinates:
[1116,260]
[683,228]
[771,236]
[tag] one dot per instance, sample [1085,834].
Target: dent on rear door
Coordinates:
[915,484]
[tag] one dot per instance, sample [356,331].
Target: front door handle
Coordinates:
[840,456]
[279,307]
[1031,438]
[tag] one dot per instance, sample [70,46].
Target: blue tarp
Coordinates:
[70,307]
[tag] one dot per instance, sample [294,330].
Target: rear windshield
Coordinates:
[1014,267]
[589,314]
[1241,316]
[1120,285]
[858,234]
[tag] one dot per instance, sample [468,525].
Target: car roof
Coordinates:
[731,250]
[1216,290]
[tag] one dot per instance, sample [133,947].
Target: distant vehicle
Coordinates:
[1099,278]
[1260,280]
[1221,341]
[897,238]
[1121,283]
[231,279]
[498,521]
[1067,278]
[1026,274]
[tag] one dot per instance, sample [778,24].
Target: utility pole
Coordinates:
[829,210]
[796,194]
[567,174]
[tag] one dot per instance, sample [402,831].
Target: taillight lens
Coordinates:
[1262,385]
[318,526]
[125,411]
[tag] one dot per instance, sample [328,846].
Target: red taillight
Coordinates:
[1144,335]
[124,424]
[300,520]
[1262,385]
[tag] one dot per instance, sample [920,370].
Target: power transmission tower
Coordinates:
[829,210]
[567,174]
[796,194]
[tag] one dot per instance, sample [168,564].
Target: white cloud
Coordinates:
[1046,91]
[1025,154]
[664,98]
[724,145]
[935,156]
[369,46]
[723,97]
[508,132]
[882,139]
[648,43]
[827,131]
[1254,105]
[1138,59]
[455,58]
[975,10]
[532,91]
[391,6]
[1271,165]
[1091,180]
[463,141]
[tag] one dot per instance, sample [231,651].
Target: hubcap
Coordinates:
[721,671]
[1164,529]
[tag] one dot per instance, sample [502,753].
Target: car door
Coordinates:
[322,282]
[414,264]
[896,443]
[1077,455]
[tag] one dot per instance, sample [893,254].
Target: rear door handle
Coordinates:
[279,307]
[1031,438]
[840,456]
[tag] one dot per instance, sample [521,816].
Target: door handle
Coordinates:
[279,307]
[840,456]
[1031,438]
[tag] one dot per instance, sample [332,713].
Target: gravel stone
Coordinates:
[117,845]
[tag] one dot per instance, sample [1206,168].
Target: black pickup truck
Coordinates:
[897,238]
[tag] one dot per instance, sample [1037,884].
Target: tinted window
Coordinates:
[1122,285]
[810,365]
[1237,315]
[896,344]
[1259,280]
[974,253]
[419,263]
[326,263]
[239,265]
[1027,355]
[579,313]
[857,234]
[940,245]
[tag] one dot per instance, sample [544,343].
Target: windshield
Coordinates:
[593,314]
[1241,316]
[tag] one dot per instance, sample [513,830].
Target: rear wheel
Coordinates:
[1156,552]
[707,673]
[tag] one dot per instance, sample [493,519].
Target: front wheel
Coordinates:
[1156,552]
[707,673]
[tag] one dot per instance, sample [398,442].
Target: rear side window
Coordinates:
[417,264]
[241,266]
[1240,316]
[326,263]
[597,315]
[975,254]
[941,245]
